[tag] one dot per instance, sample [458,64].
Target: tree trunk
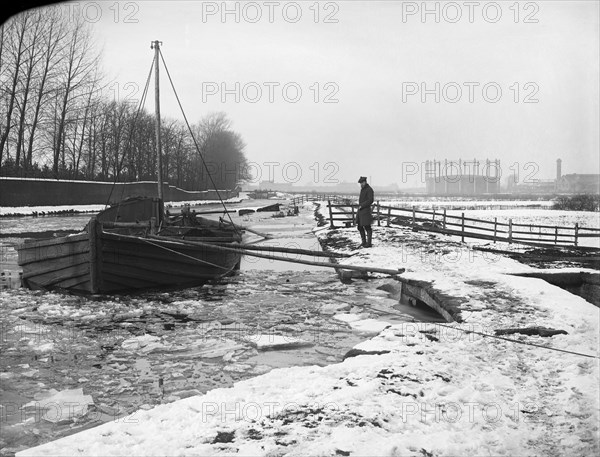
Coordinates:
[15,81]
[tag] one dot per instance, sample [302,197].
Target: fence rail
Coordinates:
[465,227]
[318,198]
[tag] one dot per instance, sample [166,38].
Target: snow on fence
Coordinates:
[465,227]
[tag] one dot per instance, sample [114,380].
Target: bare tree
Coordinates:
[52,114]
[53,38]
[222,151]
[15,51]
[79,70]
[32,58]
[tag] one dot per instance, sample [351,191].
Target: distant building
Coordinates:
[462,177]
[532,186]
[572,184]
[579,184]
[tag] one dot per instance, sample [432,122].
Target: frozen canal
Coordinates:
[115,355]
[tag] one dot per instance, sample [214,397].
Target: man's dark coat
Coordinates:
[365,200]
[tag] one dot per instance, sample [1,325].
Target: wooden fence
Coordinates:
[320,198]
[465,227]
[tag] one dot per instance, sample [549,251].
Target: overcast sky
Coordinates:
[342,83]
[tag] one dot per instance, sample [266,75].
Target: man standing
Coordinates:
[364,218]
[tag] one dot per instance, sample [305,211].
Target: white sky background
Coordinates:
[368,54]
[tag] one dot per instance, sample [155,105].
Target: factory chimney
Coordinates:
[558,169]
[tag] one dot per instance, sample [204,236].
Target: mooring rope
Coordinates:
[185,255]
[518,341]
[477,333]
[196,143]
[129,139]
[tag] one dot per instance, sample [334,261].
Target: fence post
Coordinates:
[413,221]
[462,223]
[444,220]
[433,219]
[555,235]
[331,226]
[353,217]
[576,232]
[389,216]
[510,230]
[378,218]
[93,230]
[495,227]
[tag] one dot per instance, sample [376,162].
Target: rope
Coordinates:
[141,105]
[518,341]
[196,143]
[184,255]
[479,333]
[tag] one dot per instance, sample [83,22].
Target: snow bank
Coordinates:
[418,389]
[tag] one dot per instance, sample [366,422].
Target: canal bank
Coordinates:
[114,356]
[417,389]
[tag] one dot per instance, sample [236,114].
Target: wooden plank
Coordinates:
[77,282]
[138,277]
[253,247]
[466,234]
[54,241]
[552,227]
[305,262]
[73,277]
[485,229]
[44,268]
[94,240]
[544,234]
[128,279]
[593,229]
[51,252]
[131,267]
[207,239]
[495,223]
[111,225]
[248,229]
[55,254]
[53,278]
[495,228]
[188,253]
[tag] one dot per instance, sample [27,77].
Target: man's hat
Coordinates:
[362,179]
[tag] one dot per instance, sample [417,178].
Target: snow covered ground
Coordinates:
[440,202]
[29,210]
[414,389]
[533,213]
